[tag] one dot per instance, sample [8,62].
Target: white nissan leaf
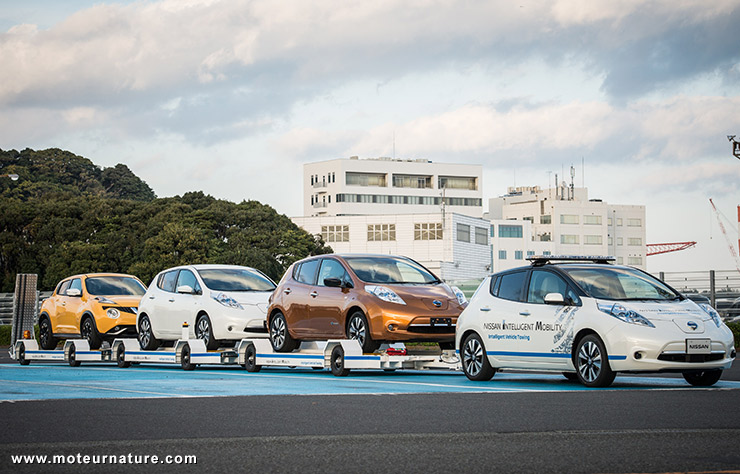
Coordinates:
[589,319]
[220,303]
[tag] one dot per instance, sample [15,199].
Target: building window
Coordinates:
[511,231]
[481,236]
[311,180]
[611,241]
[502,254]
[493,231]
[634,241]
[620,241]
[428,231]
[592,239]
[610,221]
[545,219]
[365,179]
[416,200]
[381,232]
[335,233]
[634,223]
[530,253]
[634,260]
[568,239]
[528,218]
[518,255]
[619,222]
[592,220]
[333,177]
[568,219]
[463,232]
[620,261]
[411,181]
[458,182]
[546,253]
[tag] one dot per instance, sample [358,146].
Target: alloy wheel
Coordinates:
[589,361]
[357,330]
[277,332]
[473,357]
[202,330]
[144,333]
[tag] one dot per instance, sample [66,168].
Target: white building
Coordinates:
[569,223]
[454,246]
[343,187]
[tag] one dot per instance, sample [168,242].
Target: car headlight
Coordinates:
[226,300]
[104,300]
[460,295]
[711,312]
[385,294]
[624,314]
[112,313]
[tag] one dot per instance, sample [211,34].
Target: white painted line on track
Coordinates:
[93,387]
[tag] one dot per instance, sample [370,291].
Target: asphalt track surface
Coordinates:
[283,420]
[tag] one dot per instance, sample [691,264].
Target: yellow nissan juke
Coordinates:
[96,306]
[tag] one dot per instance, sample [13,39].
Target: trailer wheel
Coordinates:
[73,362]
[250,359]
[22,355]
[185,358]
[337,362]
[121,357]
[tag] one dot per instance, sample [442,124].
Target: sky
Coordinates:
[232,97]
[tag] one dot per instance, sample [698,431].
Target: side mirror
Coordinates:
[73,292]
[347,284]
[185,289]
[333,282]
[554,298]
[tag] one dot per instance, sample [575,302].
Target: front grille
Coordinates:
[426,329]
[691,358]
[123,309]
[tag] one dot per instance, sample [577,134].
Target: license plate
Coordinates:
[698,346]
[441,322]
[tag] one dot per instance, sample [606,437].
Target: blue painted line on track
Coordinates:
[54,381]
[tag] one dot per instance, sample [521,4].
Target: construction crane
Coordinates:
[727,237]
[657,249]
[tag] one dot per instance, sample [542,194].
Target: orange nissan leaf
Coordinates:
[371,298]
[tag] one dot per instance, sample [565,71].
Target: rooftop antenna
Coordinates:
[572,186]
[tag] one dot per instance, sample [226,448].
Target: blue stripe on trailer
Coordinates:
[292,356]
[45,352]
[172,353]
[363,357]
[206,354]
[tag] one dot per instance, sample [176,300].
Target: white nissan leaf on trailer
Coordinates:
[589,319]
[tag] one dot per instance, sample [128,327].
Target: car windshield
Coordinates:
[390,270]
[236,279]
[114,286]
[619,283]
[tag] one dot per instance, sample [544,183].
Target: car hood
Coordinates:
[666,310]
[128,301]
[426,295]
[249,298]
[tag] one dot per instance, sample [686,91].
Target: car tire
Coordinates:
[359,329]
[147,341]
[702,378]
[185,359]
[47,341]
[572,376]
[338,367]
[474,360]
[89,331]
[72,358]
[204,330]
[250,359]
[22,355]
[280,337]
[121,357]
[592,362]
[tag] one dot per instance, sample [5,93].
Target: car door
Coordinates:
[163,299]
[185,306]
[69,307]
[549,332]
[326,310]
[57,305]
[302,294]
[501,321]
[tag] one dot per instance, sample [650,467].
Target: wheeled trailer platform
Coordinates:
[339,355]
[74,352]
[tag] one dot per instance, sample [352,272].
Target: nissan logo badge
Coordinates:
[437,303]
[692,325]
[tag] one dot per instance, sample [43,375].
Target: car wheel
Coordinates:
[279,336]
[72,358]
[572,376]
[337,362]
[90,332]
[22,355]
[250,359]
[203,330]
[121,357]
[702,378]
[185,361]
[46,336]
[147,341]
[475,362]
[592,363]
[358,329]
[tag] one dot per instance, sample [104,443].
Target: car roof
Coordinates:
[91,275]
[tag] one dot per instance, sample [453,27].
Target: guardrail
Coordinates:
[6,305]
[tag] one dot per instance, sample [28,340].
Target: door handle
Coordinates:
[314,294]
[485,308]
[172,300]
[524,313]
[287,291]
[151,297]
[64,303]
